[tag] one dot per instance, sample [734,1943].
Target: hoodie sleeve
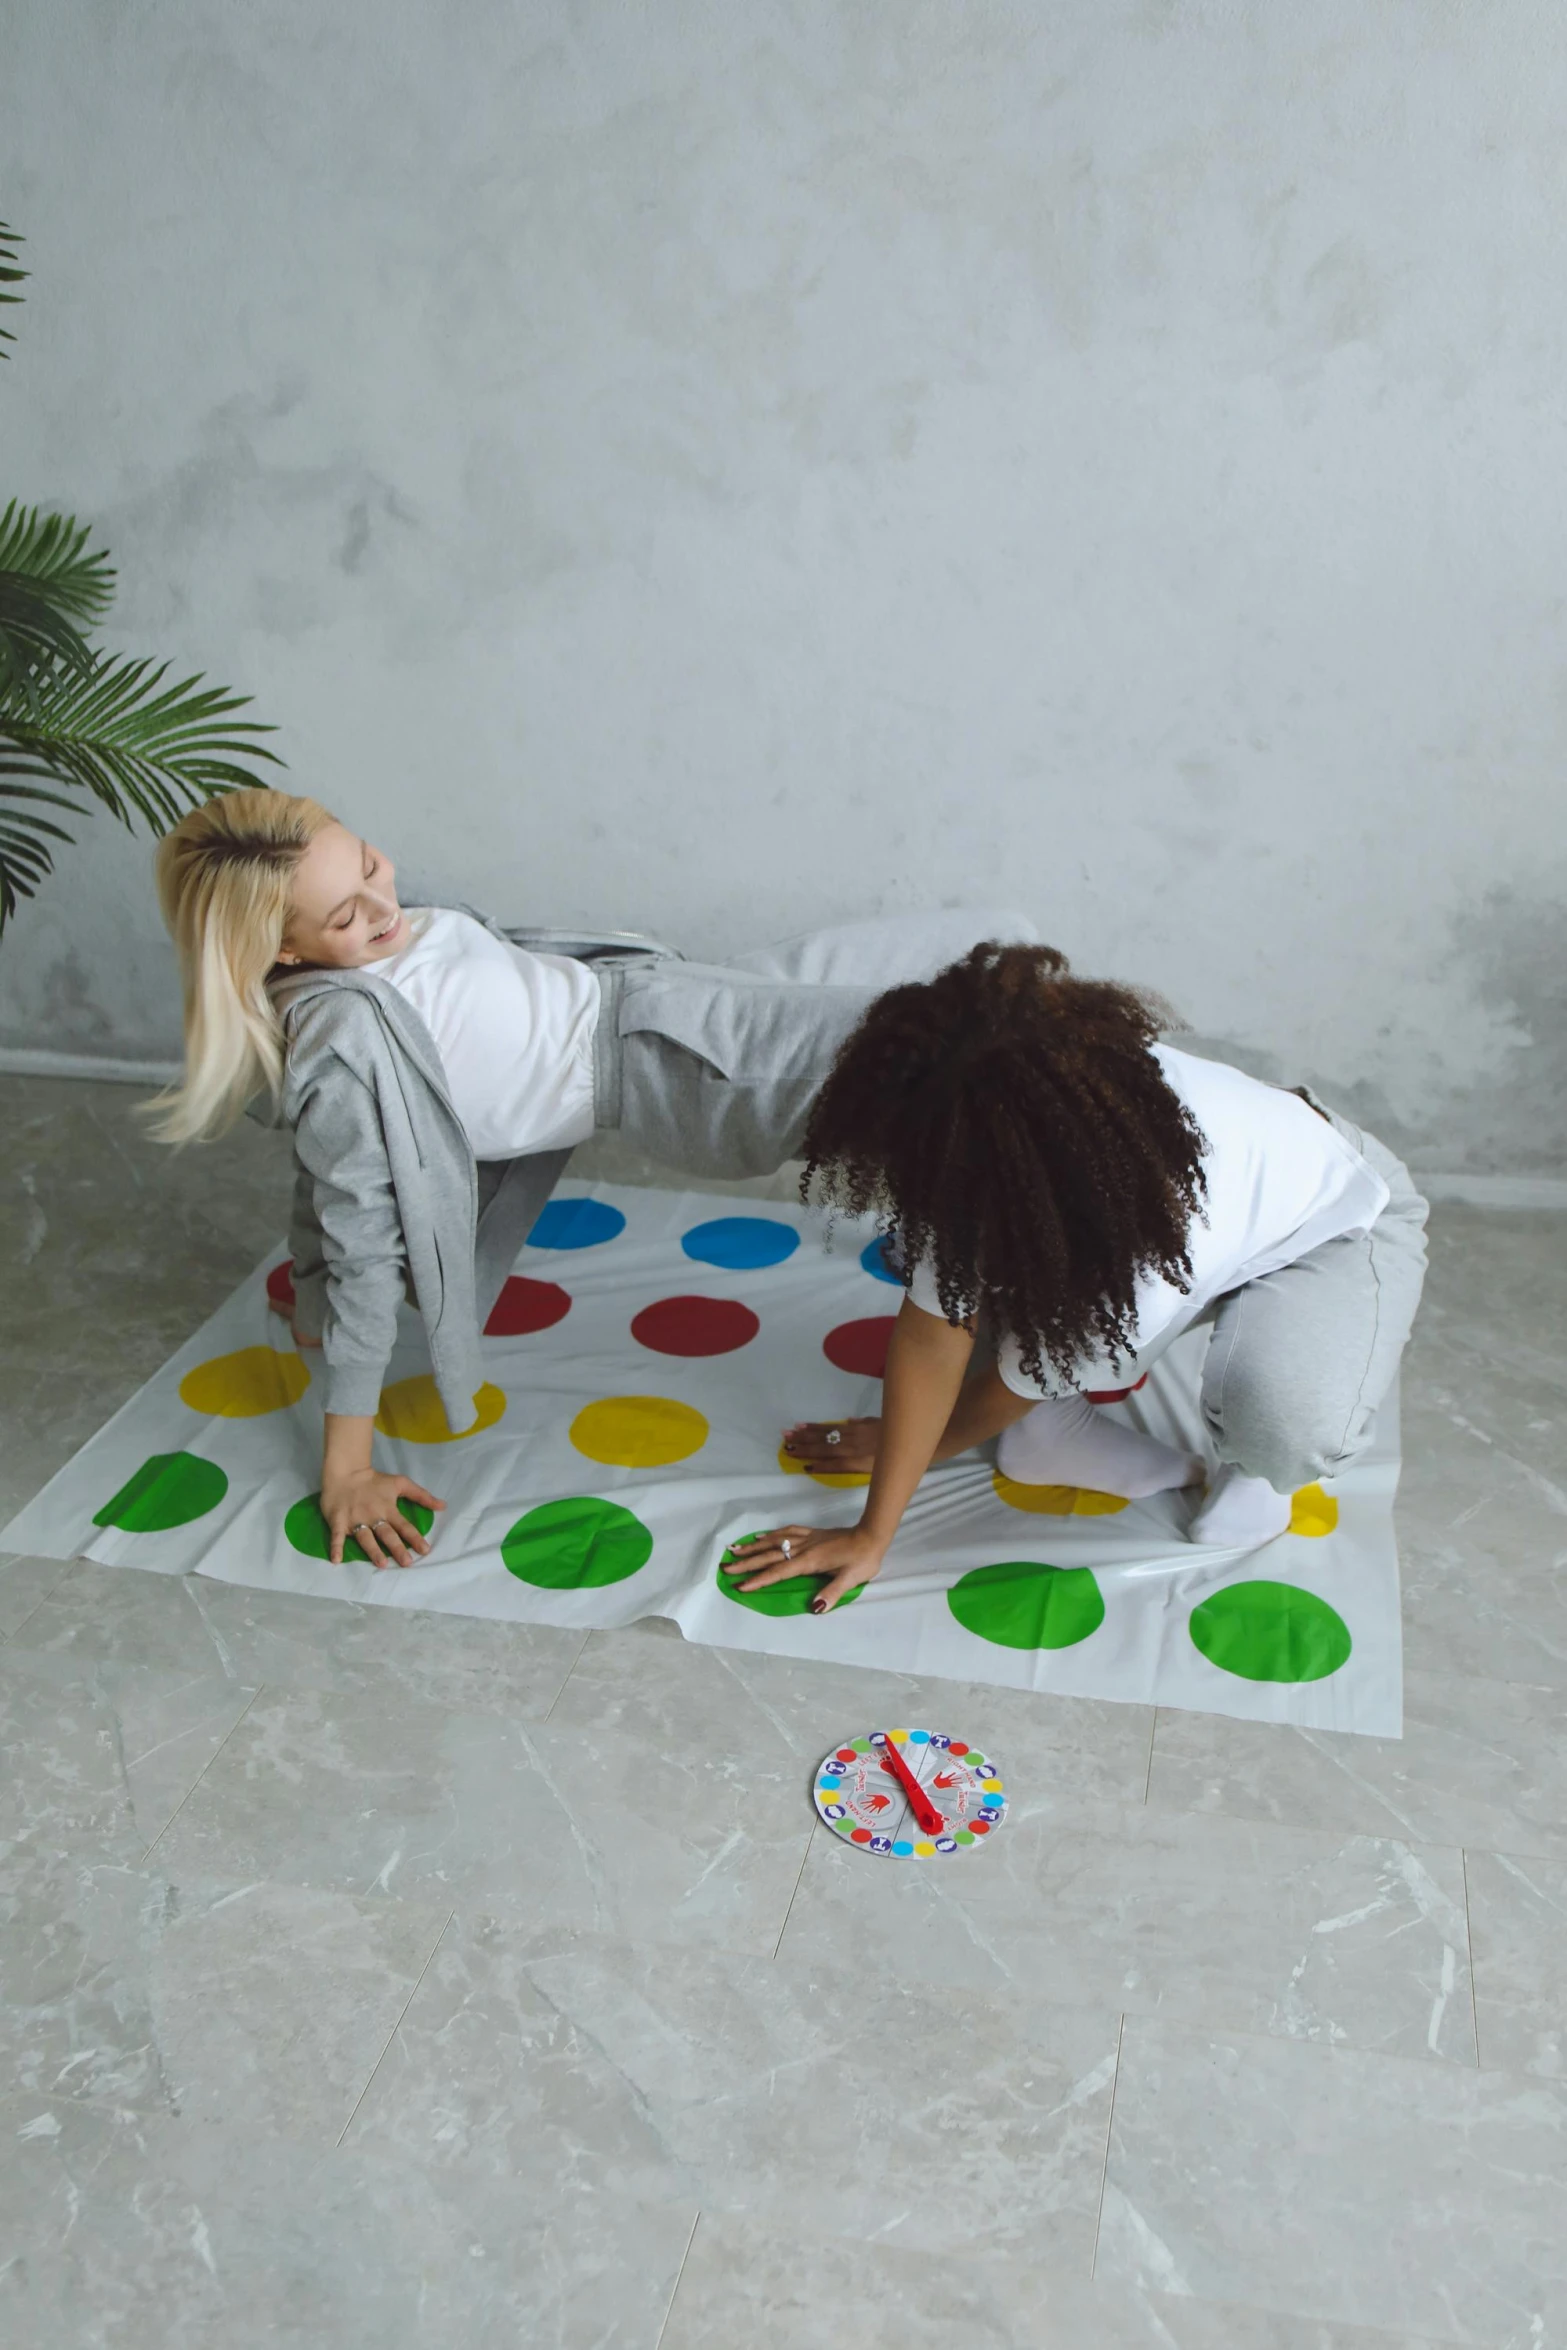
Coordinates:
[343,1161]
[307,1249]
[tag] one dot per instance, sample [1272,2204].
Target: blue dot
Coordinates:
[903,1850]
[576,1223]
[879,1259]
[741,1242]
[919,1737]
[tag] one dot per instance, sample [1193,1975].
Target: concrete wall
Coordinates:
[722,467]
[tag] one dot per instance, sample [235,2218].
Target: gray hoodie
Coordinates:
[388,1200]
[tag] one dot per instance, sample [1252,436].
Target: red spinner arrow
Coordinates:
[920,1804]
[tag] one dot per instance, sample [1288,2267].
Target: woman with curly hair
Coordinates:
[1044,1163]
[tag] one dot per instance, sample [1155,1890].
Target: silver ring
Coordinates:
[787,1547]
[379,1522]
[835,1435]
[363,1527]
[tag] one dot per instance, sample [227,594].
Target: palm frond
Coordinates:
[24,857]
[51,586]
[34,635]
[116,732]
[50,553]
[141,748]
[10,275]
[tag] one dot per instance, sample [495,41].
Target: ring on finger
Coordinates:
[363,1527]
[835,1435]
[787,1547]
[379,1522]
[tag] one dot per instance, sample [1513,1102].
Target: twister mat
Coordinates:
[643,1361]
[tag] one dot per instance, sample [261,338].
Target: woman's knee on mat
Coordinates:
[1291,1441]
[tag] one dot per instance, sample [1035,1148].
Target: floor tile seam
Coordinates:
[1391,1832]
[1424,1675]
[1474,2001]
[1104,2167]
[396,2028]
[810,1846]
[1001,1994]
[21,1557]
[32,1558]
[11,1631]
[1326,2052]
[1106,1811]
[679,2273]
[416,1701]
[239,1718]
[566,1679]
[1212,2023]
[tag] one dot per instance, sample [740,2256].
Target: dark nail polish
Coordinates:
[818,1607]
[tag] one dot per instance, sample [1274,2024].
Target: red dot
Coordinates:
[980,1827]
[957,1747]
[859,1836]
[695,1326]
[860,1346]
[527,1305]
[844,1754]
[280,1283]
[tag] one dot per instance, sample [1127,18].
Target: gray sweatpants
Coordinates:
[1300,1360]
[713,1068]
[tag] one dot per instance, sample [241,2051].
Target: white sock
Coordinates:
[1066,1441]
[1241,1513]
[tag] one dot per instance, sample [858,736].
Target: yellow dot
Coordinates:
[924,1850]
[241,1386]
[413,1410]
[1312,1511]
[638,1431]
[899,1737]
[990,1786]
[793,1468]
[1057,1501]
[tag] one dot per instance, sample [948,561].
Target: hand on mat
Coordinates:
[845,1555]
[365,1505]
[275,1305]
[846,1445]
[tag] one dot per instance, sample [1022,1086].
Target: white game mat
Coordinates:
[642,1364]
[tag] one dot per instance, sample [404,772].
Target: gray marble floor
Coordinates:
[376,1980]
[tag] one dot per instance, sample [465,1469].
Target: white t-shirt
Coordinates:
[1281,1181]
[514,1031]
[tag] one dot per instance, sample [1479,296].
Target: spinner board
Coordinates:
[871,1790]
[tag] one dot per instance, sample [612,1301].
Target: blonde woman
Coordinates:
[437,1075]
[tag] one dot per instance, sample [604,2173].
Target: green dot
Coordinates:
[168,1490]
[1024,1604]
[1271,1632]
[860,1745]
[965,1836]
[308,1532]
[791,1597]
[577,1545]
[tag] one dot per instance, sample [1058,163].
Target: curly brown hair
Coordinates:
[1011,1127]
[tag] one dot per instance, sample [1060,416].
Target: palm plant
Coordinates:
[104,726]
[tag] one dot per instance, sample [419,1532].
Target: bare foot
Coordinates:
[838,1446]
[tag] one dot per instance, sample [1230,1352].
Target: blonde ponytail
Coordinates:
[225,881]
